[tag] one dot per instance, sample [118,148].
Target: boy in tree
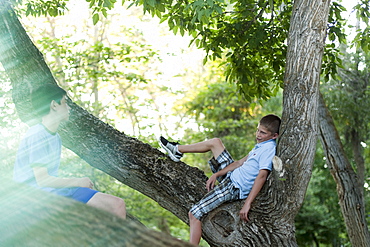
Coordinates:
[239,179]
[39,154]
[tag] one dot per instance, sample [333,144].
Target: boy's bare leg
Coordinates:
[110,203]
[215,145]
[195,229]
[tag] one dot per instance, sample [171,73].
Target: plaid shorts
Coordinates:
[221,193]
[223,160]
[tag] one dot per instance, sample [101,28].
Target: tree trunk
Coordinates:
[357,150]
[298,138]
[349,193]
[177,186]
[31,217]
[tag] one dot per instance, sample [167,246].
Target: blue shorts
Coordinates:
[80,194]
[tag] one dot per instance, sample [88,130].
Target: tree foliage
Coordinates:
[250,34]
[349,93]
[99,73]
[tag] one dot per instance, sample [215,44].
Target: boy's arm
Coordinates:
[257,186]
[43,179]
[212,180]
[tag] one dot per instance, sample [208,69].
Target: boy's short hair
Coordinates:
[271,122]
[42,96]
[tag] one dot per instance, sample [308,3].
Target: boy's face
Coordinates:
[262,134]
[63,109]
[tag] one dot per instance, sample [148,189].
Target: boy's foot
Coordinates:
[171,148]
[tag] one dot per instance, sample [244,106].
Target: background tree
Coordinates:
[319,221]
[347,94]
[350,190]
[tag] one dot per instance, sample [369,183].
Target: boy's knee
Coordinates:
[119,207]
[216,142]
[109,203]
[120,204]
[191,216]
[217,147]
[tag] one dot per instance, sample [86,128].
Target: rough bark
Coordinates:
[30,217]
[299,128]
[176,186]
[358,84]
[357,150]
[349,193]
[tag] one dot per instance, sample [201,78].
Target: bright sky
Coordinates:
[174,49]
[350,16]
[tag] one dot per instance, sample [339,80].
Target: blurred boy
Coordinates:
[39,154]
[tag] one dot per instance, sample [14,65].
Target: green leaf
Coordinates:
[151,2]
[160,7]
[52,12]
[175,29]
[92,3]
[95,18]
[104,12]
[210,3]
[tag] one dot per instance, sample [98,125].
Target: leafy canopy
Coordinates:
[251,34]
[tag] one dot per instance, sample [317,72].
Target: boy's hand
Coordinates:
[244,212]
[86,182]
[211,182]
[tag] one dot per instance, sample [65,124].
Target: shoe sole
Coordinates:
[170,154]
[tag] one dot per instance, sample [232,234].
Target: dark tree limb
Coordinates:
[349,193]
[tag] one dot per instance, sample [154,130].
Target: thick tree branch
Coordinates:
[31,217]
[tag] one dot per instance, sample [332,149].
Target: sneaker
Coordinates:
[171,149]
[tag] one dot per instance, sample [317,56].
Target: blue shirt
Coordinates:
[39,147]
[260,157]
